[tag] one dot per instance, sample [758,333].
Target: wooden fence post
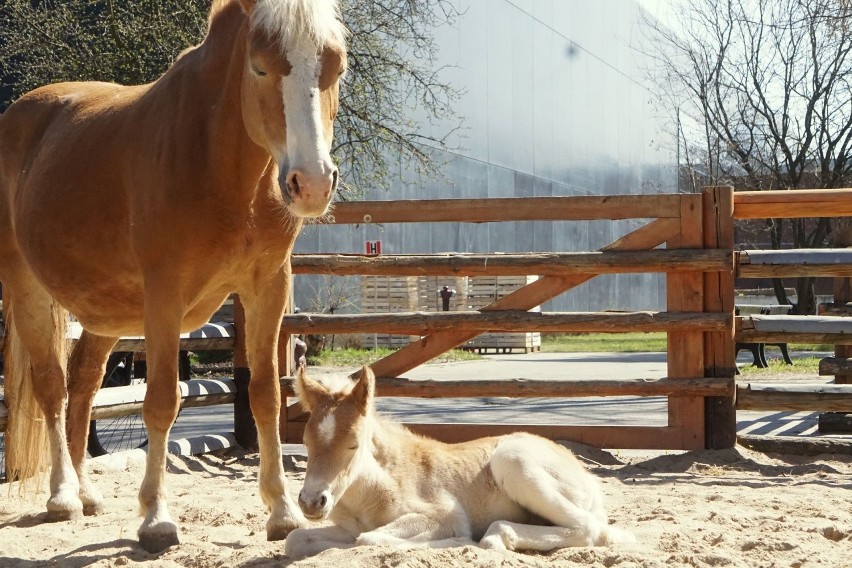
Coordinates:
[245,430]
[685,293]
[839,422]
[720,420]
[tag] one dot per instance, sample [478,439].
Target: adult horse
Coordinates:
[139,209]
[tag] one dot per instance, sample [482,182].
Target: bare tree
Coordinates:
[761,92]
[393,67]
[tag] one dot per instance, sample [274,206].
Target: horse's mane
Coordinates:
[317,19]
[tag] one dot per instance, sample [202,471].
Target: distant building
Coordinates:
[554,105]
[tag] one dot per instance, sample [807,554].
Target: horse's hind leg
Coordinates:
[547,480]
[40,325]
[85,372]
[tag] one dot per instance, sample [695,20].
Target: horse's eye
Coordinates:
[355,447]
[258,72]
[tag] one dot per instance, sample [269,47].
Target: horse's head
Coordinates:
[295,55]
[337,437]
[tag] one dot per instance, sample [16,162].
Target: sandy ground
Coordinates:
[705,508]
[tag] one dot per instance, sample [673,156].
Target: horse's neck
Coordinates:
[208,81]
[389,446]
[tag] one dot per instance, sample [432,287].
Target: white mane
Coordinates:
[316,20]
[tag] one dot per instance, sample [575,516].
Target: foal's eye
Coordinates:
[353,448]
[258,72]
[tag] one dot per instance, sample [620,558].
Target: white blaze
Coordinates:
[306,147]
[326,429]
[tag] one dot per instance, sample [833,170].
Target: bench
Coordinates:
[758,348]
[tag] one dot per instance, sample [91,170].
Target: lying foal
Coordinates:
[380,484]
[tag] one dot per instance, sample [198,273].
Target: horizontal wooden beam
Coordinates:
[621,437]
[211,337]
[424,323]
[835,366]
[572,208]
[796,446]
[124,401]
[794,262]
[792,204]
[556,264]
[787,329]
[530,388]
[800,397]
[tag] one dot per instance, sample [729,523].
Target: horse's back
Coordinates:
[59,194]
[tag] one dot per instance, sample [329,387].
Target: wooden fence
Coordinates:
[697,231]
[699,263]
[836,263]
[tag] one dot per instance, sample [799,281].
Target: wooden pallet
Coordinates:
[388,294]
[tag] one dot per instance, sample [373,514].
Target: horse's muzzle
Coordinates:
[309,195]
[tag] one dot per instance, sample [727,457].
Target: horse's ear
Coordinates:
[365,390]
[308,390]
[248,5]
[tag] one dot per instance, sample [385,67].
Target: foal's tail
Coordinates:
[27,449]
[614,535]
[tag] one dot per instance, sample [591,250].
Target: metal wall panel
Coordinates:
[552,105]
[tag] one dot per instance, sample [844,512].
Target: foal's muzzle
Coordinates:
[317,505]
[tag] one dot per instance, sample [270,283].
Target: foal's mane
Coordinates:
[318,20]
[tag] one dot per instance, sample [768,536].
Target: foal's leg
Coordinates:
[34,322]
[506,535]
[163,317]
[546,479]
[307,542]
[264,303]
[446,525]
[85,373]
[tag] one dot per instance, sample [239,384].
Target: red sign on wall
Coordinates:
[373,247]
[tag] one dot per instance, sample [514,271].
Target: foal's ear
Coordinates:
[308,390]
[365,390]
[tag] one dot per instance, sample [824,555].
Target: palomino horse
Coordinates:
[139,209]
[381,484]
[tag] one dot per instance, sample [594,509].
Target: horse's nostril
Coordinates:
[323,500]
[293,185]
[334,176]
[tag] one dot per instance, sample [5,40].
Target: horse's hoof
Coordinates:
[158,542]
[90,509]
[280,531]
[60,515]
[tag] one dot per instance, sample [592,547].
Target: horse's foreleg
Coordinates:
[264,305]
[307,542]
[85,374]
[162,402]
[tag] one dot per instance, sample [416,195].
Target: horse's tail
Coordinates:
[27,448]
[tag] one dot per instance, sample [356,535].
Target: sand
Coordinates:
[704,508]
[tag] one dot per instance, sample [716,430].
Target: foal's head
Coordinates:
[337,436]
[295,56]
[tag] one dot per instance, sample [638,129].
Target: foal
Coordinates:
[381,484]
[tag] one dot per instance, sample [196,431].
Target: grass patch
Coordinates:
[808,365]
[351,357]
[600,342]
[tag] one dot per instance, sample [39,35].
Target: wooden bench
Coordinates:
[758,348]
